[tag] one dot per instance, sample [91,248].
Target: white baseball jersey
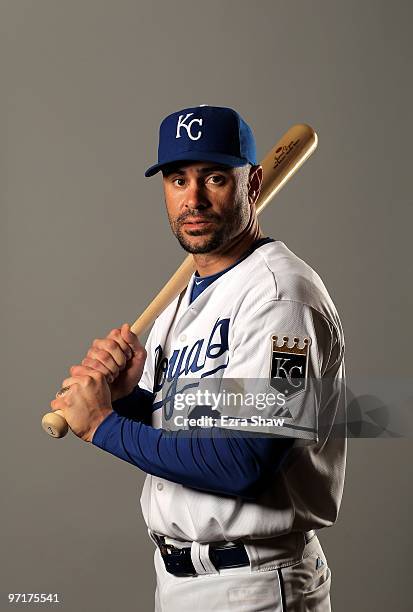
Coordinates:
[267,321]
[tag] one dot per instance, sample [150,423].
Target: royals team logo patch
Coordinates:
[289,365]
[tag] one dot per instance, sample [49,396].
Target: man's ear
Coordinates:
[254,183]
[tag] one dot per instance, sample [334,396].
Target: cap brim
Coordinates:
[219,158]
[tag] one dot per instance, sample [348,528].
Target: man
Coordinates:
[231,501]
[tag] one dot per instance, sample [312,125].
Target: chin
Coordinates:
[197,248]
[198,245]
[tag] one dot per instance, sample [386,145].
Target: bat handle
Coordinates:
[55,424]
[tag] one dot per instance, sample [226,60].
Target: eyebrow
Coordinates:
[200,170]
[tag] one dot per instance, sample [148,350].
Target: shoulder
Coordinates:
[293,278]
[274,273]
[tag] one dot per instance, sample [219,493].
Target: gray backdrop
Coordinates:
[84,86]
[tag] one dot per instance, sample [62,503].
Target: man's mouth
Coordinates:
[197,223]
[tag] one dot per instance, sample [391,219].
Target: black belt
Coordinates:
[178,560]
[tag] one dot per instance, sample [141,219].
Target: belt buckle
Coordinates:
[177,561]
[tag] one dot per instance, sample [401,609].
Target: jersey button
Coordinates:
[159,486]
[182,338]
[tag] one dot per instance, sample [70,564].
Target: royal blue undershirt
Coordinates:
[217,460]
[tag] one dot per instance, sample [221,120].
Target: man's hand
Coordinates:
[120,357]
[85,404]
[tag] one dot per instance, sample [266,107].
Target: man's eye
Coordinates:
[179,181]
[216,179]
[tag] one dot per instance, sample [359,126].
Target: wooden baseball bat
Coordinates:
[278,166]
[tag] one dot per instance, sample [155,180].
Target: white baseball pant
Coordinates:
[302,586]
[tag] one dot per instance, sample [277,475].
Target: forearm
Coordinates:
[212,460]
[136,406]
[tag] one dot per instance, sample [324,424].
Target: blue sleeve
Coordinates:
[215,460]
[136,406]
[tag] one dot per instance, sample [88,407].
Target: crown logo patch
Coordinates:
[289,365]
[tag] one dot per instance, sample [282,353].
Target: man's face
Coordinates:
[207,203]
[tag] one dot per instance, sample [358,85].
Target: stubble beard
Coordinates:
[227,227]
[211,242]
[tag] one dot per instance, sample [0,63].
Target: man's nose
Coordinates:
[195,197]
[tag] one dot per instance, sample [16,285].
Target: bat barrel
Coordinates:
[284,159]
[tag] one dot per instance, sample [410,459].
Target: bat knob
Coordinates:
[55,424]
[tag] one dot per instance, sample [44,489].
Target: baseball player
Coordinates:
[234,491]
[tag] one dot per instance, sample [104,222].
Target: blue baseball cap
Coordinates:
[205,133]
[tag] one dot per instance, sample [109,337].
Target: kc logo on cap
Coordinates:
[188,126]
[205,134]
